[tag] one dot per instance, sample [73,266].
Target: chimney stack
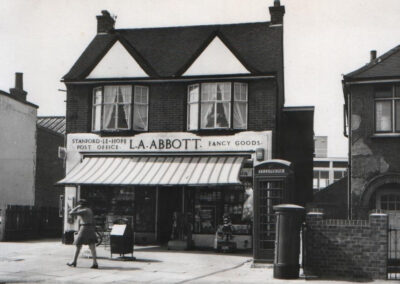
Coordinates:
[18,90]
[373,55]
[277,12]
[105,23]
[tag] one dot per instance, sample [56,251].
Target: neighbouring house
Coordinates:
[170,126]
[29,168]
[372,112]
[18,140]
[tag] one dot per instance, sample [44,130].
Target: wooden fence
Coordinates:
[29,222]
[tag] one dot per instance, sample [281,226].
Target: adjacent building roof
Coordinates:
[385,66]
[168,52]
[52,123]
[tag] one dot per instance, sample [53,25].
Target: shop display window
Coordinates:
[211,204]
[111,204]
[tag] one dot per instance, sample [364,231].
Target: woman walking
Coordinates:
[86,234]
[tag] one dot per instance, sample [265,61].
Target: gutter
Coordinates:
[171,79]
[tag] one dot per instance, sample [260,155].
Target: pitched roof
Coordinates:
[18,99]
[52,123]
[168,52]
[385,66]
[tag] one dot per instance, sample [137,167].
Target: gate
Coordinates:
[393,267]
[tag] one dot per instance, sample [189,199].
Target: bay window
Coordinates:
[112,108]
[387,110]
[215,106]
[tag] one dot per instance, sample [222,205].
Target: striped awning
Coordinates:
[162,170]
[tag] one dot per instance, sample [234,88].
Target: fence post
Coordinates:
[312,219]
[379,223]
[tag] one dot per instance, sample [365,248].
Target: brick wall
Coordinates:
[346,248]
[167,107]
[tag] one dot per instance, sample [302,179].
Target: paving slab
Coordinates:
[44,261]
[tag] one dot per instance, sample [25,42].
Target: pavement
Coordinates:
[44,261]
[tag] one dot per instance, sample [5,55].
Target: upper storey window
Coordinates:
[215,106]
[387,109]
[112,108]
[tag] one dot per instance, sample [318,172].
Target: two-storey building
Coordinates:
[372,109]
[175,119]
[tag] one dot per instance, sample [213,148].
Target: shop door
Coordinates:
[169,201]
[268,194]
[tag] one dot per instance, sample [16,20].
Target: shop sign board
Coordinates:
[247,141]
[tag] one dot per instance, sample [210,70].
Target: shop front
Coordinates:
[159,182]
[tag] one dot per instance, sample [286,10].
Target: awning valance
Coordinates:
[162,170]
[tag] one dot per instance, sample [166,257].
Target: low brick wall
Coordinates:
[346,248]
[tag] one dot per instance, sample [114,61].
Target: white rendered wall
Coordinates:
[18,152]
[117,63]
[216,59]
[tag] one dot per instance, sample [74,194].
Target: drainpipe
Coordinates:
[347,97]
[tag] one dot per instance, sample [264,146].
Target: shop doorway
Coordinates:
[169,201]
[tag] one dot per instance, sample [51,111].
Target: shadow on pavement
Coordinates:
[197,251]
[118,268]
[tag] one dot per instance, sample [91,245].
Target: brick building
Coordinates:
[163,120]
[372,110]
[49,167]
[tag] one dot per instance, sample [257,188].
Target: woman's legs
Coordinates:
[94,256]
[77,251]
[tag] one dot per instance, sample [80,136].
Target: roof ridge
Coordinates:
[191,26]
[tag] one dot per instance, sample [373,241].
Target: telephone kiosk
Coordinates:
[273,184]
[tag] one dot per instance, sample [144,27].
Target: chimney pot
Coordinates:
[19,85]
[277,12]
[373,55]
[105,22]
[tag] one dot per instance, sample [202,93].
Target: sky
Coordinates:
[323,39]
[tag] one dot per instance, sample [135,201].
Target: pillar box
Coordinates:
[287,243]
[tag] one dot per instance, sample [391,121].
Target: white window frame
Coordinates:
[131,109]
[97,105]
[190,103]
[232,101]
[142,104]
[393,100]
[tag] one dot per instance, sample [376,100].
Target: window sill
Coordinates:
[217,131]
[385,135]
[118,132]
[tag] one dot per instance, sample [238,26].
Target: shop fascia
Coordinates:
[250,142]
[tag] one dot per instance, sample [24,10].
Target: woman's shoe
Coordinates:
[95,266]
[71,264]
